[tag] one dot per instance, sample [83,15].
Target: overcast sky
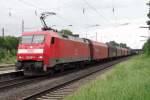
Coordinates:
[117,20]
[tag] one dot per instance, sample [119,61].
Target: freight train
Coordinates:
[46,51]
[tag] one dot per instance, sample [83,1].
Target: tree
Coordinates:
[146,46]
[148,4]
[9,43]
[113,43]
[1,42]
[123,45]
[148,15]
[66,32]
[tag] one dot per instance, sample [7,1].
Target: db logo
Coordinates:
[29,51]
[31,47]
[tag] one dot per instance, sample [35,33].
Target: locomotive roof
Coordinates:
[52,33]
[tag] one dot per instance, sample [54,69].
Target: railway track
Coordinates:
[61,90]
[44,87]
[59,93]
[10,76]
[25,80]
[17,82]
[6,65]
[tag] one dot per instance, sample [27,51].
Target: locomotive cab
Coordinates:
[31,55]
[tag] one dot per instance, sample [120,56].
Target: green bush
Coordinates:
[146,48]
[2,53]
[7,56]
[8,48]
[9,42]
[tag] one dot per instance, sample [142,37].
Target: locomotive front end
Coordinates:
[30,55]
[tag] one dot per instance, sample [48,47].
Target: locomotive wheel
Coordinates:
[51,72]
[62,69]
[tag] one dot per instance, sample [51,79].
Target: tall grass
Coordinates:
[8,46]
[7,56]
[129,80]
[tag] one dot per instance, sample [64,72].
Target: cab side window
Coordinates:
[52,40]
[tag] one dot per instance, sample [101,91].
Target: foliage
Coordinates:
[66,32]
[146,48]
[127,81]
[8,46]
[148,15]
[123,45]
[9,42]
[7,56]
[115,44]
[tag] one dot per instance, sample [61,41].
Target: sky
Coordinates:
[101,20]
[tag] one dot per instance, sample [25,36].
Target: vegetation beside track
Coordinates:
[146,48]
[8,46]
[129,80]
[9,58]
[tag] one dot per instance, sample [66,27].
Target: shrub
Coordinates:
[146,48]
[8,46]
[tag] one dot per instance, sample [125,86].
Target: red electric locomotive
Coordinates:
[41,51]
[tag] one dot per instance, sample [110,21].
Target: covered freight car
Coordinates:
[123,51]
[100,50]
[112,51]
[118,52]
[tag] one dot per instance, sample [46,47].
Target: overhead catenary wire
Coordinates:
[114,12]
[44,9]
[41,8]
[31,4]
[37,8]
[94,9]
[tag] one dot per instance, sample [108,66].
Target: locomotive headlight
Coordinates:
[40,57]
[20,57]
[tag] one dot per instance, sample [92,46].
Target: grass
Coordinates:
[7,57]
[8,60]
[129,80]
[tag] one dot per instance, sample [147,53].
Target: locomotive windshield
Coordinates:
[33,39]
[38,39]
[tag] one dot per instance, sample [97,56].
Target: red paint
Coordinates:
[100,50]
[45,46]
